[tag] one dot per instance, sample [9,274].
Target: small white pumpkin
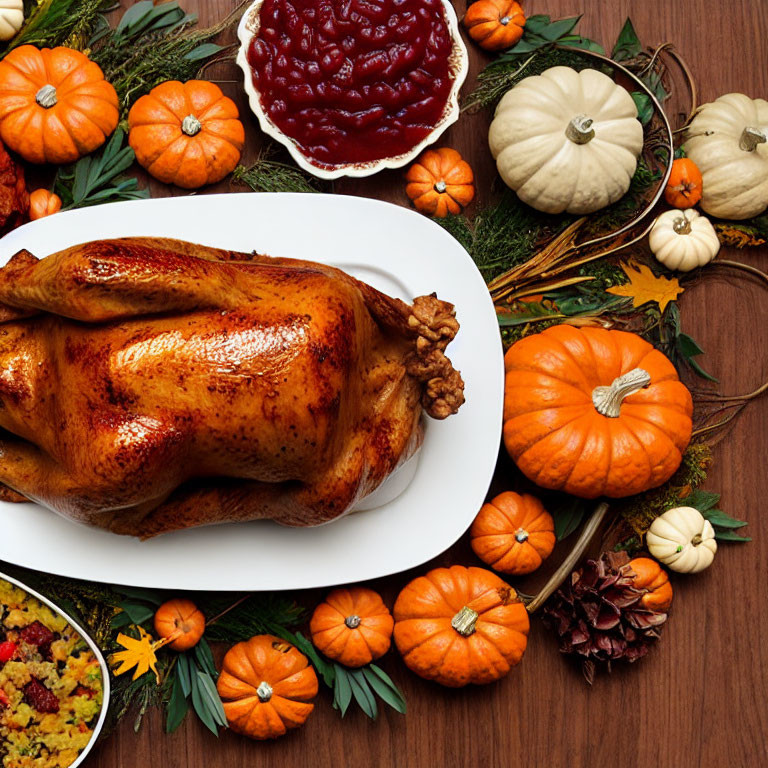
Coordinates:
[728,141]
[567,140]
[682,539]
[11,18]
[683,240]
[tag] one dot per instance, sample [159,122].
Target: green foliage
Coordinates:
[359,684]
[268,613]
[706,502]
[628,44]
[98,177]
[152,44]
[541,32]
[568,513]
[61,22]
[268,175]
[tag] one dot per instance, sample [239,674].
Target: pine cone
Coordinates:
[597,614]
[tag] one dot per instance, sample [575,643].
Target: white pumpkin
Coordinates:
[683,540]
[683,240]
[728,142]
[567,140]
[11,18]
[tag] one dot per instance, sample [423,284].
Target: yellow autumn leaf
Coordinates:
[644,286]
[138,653]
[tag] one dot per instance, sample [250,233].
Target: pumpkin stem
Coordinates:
[696,540]
[580,129]
[46,97]
[751,138]
[264,691]
[607,400]
[440,187]
[521,535]
[682,225]
[464,621]
[504,20]
[191,126]
[353,621]
[557,578]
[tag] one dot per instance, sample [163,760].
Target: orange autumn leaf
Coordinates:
[138,654]
[644,286]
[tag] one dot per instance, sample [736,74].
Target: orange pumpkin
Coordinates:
[181,619]
[685,184]
[187,134]
[460,625]
[513,533]
[495,24]
[352,626]
[55,105]
[266,687]
[594,412]
[440,182]
[43,203]
[651,577]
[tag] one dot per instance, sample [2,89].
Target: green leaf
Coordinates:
[576,41]
[568,518]
[387,691]
[200,704]
[342,691]
[326,670]
[730,536]
[527,46]
[204,658]
[689,349]
[204,51]
[134,16]
[536,23]
[137,612]
[120,620]
[184,673]
[560,28]
[720,519]
[210,695]
[644,106]
[362,693]
[178,706]
[628,43]
[701,500]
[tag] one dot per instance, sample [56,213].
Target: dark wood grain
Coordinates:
[699,698]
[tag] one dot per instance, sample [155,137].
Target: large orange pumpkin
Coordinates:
[460,625]
[266,687]
[654,580]
[187,134]
[513,533]
[594,412]
[495,24]
[55,105]
[352,626]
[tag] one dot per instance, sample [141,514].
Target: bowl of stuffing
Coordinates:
[54,683]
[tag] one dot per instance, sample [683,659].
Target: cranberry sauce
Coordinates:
[352,81]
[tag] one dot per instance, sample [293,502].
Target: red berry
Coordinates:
[4,700]
[7,649]
[37,634]
[40,698]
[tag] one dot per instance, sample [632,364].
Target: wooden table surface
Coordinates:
[699,698]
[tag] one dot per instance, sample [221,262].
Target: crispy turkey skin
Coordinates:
[151,385]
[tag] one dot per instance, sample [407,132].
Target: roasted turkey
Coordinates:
[150,385]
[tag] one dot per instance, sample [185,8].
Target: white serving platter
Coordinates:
[105,684]
[392,248]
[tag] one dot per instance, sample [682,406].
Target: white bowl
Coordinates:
[96,652]
[459,63]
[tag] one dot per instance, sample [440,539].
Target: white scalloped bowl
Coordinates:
[458,62]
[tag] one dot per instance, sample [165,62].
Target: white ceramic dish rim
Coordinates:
[460,62]
[479,356]
[96,652]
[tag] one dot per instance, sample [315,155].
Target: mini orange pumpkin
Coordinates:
[460,625]
[685,184]
[651,577]
[43,203]
[187,134]
[513,533]
[266,686]
[352,626]
[440,182]
[55,105]
[181,619]
[495,24]
[594,412]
